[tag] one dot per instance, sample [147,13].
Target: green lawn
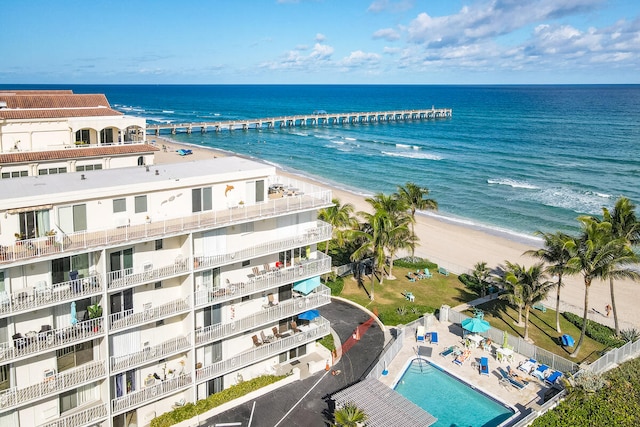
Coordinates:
[393,309]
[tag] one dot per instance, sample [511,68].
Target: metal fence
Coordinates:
[520,346]
[388,354]
[614,357]
[343,270]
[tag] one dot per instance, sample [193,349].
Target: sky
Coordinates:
[320,42]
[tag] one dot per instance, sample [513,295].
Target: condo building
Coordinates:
[125,292]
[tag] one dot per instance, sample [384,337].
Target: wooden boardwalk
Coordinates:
[305,120]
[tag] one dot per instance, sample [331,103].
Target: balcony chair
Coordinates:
[46,334]
[265,339]
[76,284]
[19,342]
[294,326]
[275,332]
[256,341]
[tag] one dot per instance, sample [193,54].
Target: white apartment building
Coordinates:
[124,291]
[57,131]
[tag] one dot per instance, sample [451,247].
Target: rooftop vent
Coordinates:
[82,177]
[157,172]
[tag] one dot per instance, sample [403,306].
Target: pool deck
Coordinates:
[450,334]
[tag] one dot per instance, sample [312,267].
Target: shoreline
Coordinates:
[456,244]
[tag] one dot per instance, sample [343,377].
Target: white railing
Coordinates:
[264,351]
[162,350]
[268,315]
[149,394]
[127,318]
[271,279]
[50,340]
[31,248]
[38,296]
[124,278]
[86,417]
[53,385]
[319,233]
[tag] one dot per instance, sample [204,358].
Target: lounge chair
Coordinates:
[256,341]
[427,274]
[553,377]
[528,366]
[484,366]
[294,326]
[433,337]
[443,271]
[511,380]
[540,372]
[420,334]
[265,339]
[448,351]
[275,332]
[461,359]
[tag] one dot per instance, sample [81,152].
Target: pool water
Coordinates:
[451,401]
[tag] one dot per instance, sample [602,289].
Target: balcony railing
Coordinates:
[36,342]
[264,351]
[53,385]
[42,295]
[149,354]
[124,278]
[32,248]
[86,417]
[128,319]
[283,310]
[268,280]
[319,233]
[149,394]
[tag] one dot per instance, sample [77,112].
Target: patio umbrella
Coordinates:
[305,287]
[309,315]
[74,315]
[475,325]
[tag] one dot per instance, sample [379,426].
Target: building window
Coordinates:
[246,263]
[82,136]
[119,205]
[247,227]
[140,204]
[82,168]
[158,244]
[106,136]
[157,285]
[201,199]
[51,171]
[33,224]
[260,191]
[14,174]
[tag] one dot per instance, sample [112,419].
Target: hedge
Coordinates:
[596,331]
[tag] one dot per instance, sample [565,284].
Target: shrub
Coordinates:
[630,335]
[190,410]
[596,331]
[470,283]
[414,263]
[336,285]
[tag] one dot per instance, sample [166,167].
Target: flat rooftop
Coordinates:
[14,193]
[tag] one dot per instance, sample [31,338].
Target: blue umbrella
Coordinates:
[74,315]
[305,287]
[475,325]
[309,315]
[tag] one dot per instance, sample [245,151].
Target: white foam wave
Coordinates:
[350,139]
[300,133]
[408,146]
[338,142]
[168,111]
[422,156]
[582,202]
[513,183]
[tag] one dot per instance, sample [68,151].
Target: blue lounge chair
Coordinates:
[553,377]
[433,338]
[567,340]
[484,366]
[540,372]
[443,271]
[427,274]
[420,334]
[513,381]
[448,351]
[461,358]
[184,152]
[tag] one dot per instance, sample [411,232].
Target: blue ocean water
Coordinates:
[514,158]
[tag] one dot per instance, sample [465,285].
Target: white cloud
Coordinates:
[388,34]
[296,59]
[359,58]
[320,37]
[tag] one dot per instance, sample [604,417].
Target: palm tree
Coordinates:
[530,285]
[416,199]
[556,254]
[624,225]
[349,416]
[481,274]
[341,219]
[372,240]
[595,255]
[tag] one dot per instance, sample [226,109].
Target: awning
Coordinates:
[31,208]
[383,405]
[309,315]
[307,286]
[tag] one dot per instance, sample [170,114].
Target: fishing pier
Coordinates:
[314,119]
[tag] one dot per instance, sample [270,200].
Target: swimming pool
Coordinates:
[451,401]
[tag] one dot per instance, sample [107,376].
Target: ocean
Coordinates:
[511,160]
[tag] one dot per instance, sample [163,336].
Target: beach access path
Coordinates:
[458,248]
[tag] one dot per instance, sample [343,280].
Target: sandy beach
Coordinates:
[458,248]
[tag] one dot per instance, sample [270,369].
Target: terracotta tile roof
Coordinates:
[53,104]
[74,153]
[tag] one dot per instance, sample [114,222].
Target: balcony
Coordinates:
[269,315]
[129,319]
[269,280]
[53,385]
[264,351]
[43,294]
[320,233]
[84,240]
[126,278]
[39,342]
[150,394]
[86,417]
[150,354]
